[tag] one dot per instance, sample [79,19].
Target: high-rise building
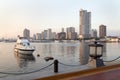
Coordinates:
[85,23]
[26,33]
[62,35]
[54,35]
[34,37]
[71,34]
[70,29]
[94,33]
[44,34]
[38,36]
[102,31]
[49,34]
[62,29]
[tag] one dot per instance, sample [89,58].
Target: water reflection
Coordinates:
[71,49]
[84,52]
[24,59]
[47,49]
[104,49]
[62,49]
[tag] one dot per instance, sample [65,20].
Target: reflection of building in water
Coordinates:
[23,59]
[47,49]
[84,53]
[71,49]
[104,49]
[62,50]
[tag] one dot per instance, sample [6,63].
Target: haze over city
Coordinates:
[38,15]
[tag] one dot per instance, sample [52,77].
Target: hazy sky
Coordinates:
[37,15]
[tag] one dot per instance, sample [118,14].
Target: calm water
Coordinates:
[68,53]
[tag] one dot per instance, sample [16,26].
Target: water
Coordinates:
[72,53]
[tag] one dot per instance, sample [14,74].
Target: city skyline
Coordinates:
[39,15]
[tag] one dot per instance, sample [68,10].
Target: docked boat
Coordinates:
[48,58]
[23,46]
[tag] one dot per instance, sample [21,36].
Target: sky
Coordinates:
[38,15]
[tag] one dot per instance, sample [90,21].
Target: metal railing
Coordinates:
[55,63]
[112,59]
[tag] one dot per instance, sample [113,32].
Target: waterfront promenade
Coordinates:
[49,71]
[103,73]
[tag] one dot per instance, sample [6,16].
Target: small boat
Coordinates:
[23,46]
[48,58]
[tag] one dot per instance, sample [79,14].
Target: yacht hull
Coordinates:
[24,51]
[23,46]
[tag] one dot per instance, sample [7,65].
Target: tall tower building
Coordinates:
[102,31]
[85,23]
[26,33]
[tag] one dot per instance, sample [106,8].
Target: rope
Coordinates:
[26,72]
[69,65]
[112,60]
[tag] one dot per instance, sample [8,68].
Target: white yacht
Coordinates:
[23,46]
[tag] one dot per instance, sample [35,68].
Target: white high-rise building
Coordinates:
[44,34]
[85,23]
[26,33]
[49,34]
[38,36]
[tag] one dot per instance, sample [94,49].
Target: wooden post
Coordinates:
[56,66]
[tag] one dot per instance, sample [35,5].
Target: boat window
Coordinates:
[21,44]
[28,43]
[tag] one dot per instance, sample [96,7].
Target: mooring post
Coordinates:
[56,66]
